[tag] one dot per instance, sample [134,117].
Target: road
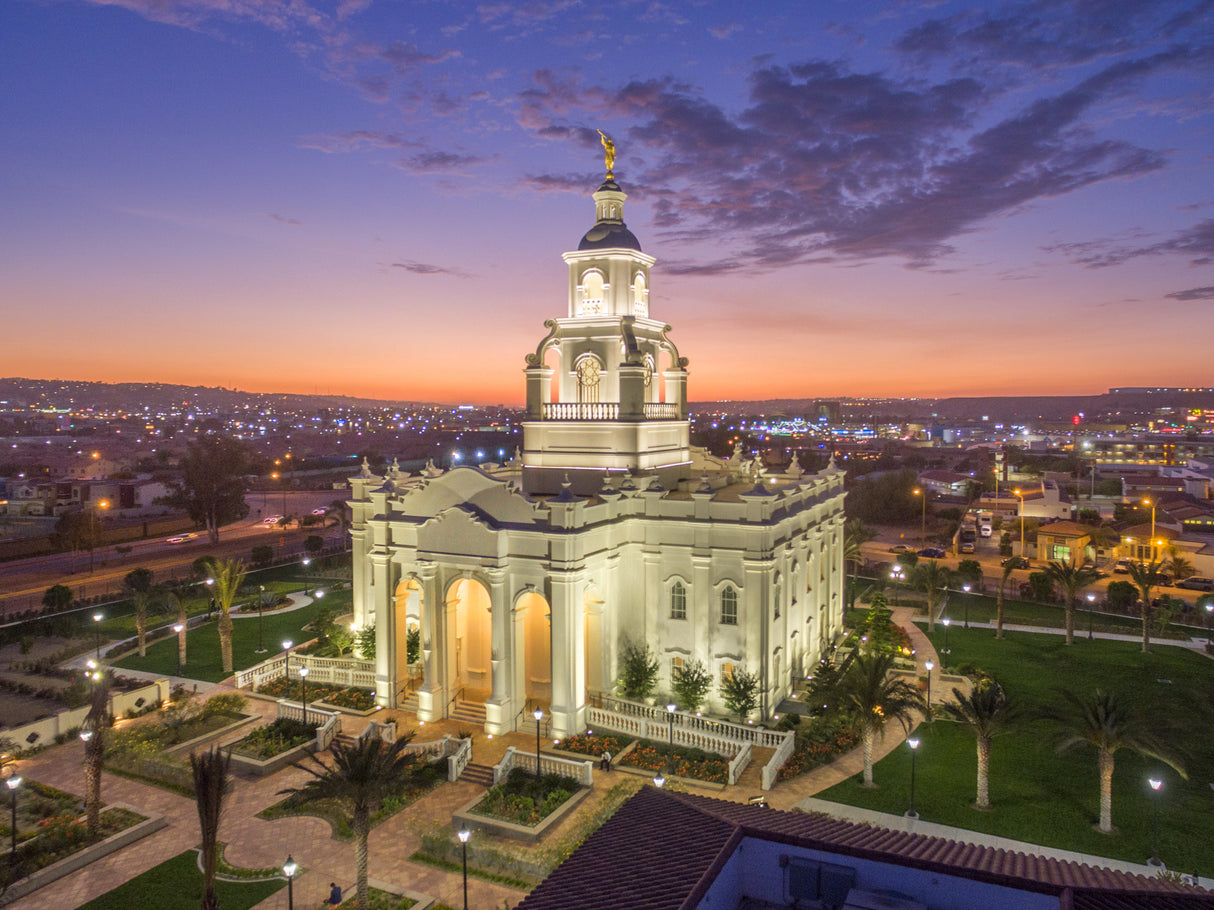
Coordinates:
[24,581]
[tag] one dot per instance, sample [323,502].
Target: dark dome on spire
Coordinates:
[610,235]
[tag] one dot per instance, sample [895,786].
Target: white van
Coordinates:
[986,524]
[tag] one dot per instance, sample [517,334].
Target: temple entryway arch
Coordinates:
[469,642]
[533,630]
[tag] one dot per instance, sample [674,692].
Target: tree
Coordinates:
[1120,596]
[1177,565]
[740,692]
[362,774]
[969,571]
[887,499]
[1106,722]
[638,670]
[366,643]
[228,575]
[95,724]
[262,556]
[855,534]
[314,543]
[212,487]
[413,645]
[692,682]
[210,771]
[873,697]
[933,580]
[1145,578]
[57,597]
[339,514]
[1007,573]
[1067,579]
[80,530]
[986,712]
[138,584]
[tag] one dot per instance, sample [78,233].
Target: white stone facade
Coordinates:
[525,582]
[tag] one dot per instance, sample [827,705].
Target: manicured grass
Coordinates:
[202,643]
[1041,797]
[1028,613]
[176,884]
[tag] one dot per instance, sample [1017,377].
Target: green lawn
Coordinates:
[176,884]
[1050,799]
[202,643]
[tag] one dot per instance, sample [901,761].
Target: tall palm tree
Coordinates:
[210,787]
[1177,565]
[1007,573]
[1068,578]
[873,697]
[1106,721]
[933,580]
[95,724]
[359,777]
[228,575]
[854,536]
[986,712]
[1145,577]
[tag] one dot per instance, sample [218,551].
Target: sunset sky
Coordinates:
[370,197]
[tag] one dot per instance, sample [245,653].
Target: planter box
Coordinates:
[329,706]
[261,767]
[190,745]
[582,756]
[82,858]
[465,818]
[642,772]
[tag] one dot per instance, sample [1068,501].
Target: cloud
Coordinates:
[282,219]
[1196,242]
[435,162]
[724,30]
[425,268]
[1206,293]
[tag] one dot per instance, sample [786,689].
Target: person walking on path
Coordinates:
[605,763]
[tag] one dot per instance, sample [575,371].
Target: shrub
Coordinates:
[262,556]
[740,692]
[1121,596]
[692,682]
[639,671]
[229,703]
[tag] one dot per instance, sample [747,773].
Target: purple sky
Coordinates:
[370,198]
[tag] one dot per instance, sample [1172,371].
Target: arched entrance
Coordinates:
[596,682]
[534,671]
[470,642]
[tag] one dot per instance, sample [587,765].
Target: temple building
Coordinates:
[520,584]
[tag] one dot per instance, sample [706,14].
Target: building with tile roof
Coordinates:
[673,851]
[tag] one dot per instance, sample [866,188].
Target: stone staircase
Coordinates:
[468,712]
[481,775]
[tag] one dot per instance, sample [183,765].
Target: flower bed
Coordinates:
[274,738]
[38,803]
[825,739]
[595,744]
[522,799]
[695,764]
[352,698]
[59,836]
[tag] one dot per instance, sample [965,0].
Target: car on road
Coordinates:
[271,519]
[1196,583]
[181,539]
[932,553]
[1016,562]
[1122,566]
[900,548]
[318,511]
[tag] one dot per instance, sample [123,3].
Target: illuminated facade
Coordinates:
[522,583]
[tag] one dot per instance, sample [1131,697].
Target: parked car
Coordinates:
[1196,583]
[932,553]
[1122,566]
[900,548]
[1016,562]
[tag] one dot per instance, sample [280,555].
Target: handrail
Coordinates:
[459,693]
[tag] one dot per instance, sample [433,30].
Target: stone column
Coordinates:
[500,708]
[432,697]
[568,655]
[756,616]
[387,686]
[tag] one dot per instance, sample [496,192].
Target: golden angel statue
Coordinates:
[608,153]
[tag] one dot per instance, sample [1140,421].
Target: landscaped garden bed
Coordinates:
[523,806]
[693,764]
[274,738]
[177,883]
[346,698]
[822,740]
[595,744]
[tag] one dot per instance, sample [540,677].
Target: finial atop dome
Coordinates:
[608,155]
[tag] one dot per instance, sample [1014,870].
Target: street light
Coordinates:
[897,574]
[261,602]
[211,603]
[930,665]
[286,646]
[179,628]
[659,781]
[946,650]
[914,747]
[13,783]
[303,682]
[289,868]
[1151,503]
[306,562]
[97,617]
[1020,496]
[966,603]
[1091,610]
[538,715]
[670,709]
[923,524]
[1156,787]
[464,834]
[1209,611]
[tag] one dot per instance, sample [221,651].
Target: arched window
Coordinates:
[676,666]
[592,290]
[589,378]
[640,296]
[678,601]
[729,606]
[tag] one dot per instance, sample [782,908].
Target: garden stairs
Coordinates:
[464,712]
[481,775]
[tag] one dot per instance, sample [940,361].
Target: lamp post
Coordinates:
[1209,612]
[670,709]
[464,834]
[179,628]
[659,781]
[922,494]
[1020,496]
[897,574]
[1151,503]
[261,602]
[306,562]
[946,650]
[538,715]
[303,682]
[289,868]
[929,666]
[97,617]
[966,603]
[914,747]
[286,646]
[1156,787]
[211,603]
[13,782]
[1091,611]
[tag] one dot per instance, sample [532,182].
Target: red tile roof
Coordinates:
[661,851]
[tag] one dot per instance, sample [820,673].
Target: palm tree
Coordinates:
[1007,573]
[228,575]
[1105,720]
[1068,578]
[1145,577]
[1177,565]
[360,776]
[986,712]
[854,536]
[210,787]
[873,697]
[95,723]
[933,580]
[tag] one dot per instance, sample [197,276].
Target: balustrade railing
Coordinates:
[581,410]
[771,770]
[739,733]
[581,771]
[739,763]
[329,722]
[339,671]
[660,410]
[458,760]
